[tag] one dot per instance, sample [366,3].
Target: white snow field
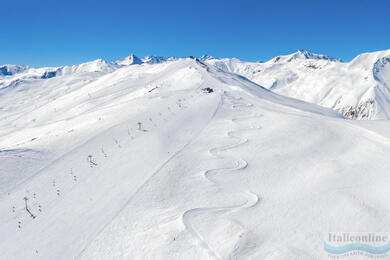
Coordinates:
[359,89]
[137,160]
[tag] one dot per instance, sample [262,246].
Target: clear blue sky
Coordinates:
[49,33]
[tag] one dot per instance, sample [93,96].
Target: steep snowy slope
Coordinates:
[358,89]
[180,160]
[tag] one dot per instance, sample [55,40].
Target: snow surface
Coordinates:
[358,89]
[238,173]
[8,70]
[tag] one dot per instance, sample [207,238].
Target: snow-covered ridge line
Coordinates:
[132,59]
[98,65]
[358,89]
[9,69]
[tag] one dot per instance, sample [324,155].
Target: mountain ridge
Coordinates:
[358,89]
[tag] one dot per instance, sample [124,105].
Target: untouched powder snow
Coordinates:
[180,160]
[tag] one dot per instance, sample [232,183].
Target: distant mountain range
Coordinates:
[359,89]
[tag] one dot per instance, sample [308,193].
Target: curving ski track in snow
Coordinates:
[122,208]
[252,199]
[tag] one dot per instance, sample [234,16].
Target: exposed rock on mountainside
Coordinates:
[358,89]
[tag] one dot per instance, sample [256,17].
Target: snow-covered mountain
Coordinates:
[132,59]
[25,76]
[8,70]
[183,159]
[358,89]
[98,65]
[15,75]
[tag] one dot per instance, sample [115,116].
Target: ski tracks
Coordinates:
[148,180]
[251,199]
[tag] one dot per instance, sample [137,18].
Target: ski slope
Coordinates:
[138,161]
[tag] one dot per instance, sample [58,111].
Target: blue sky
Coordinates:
[50,33]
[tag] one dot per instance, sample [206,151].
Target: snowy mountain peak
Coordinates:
[130,60]
[97,62]
[8,70]
[205,57]
[98,65]
[359,89]
[366,60]
[153,59]
[303,54]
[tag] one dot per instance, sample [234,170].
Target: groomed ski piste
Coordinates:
[180,160]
